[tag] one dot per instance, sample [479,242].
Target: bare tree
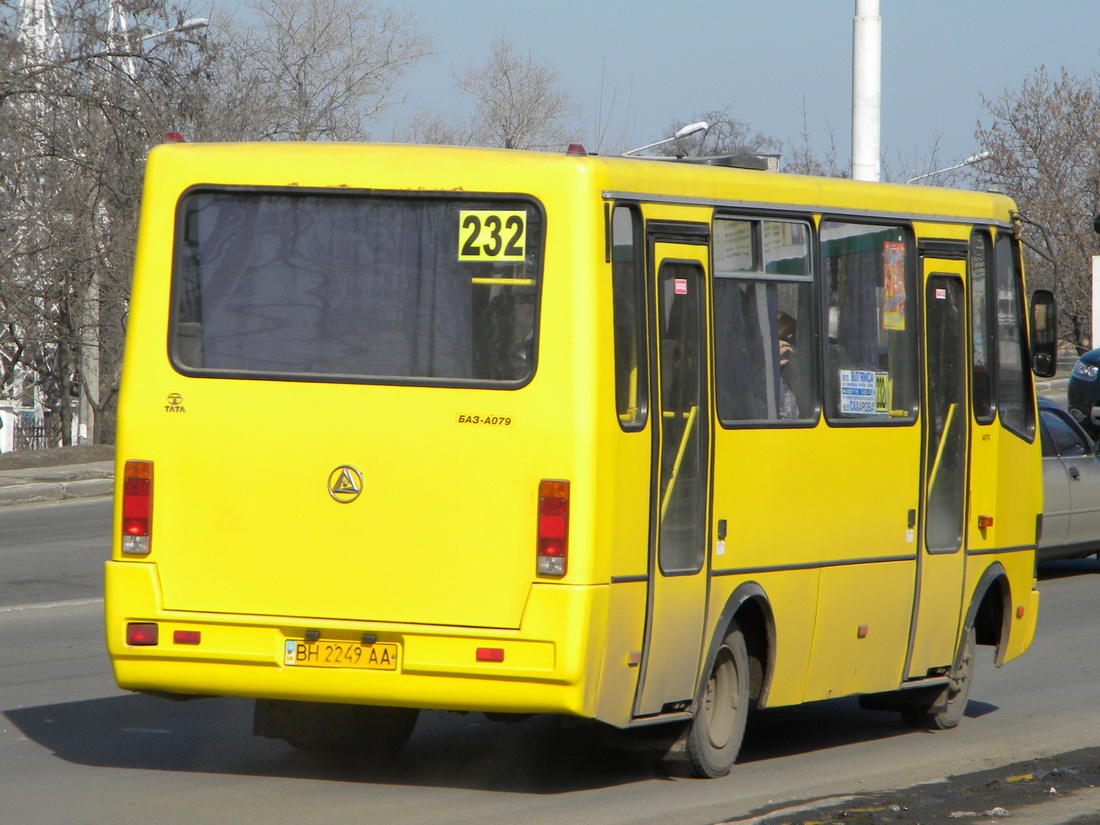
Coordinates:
[1044,141]
[802,159]
[429,127]
[518,103]
[316,69]
[78,111]
[85,95]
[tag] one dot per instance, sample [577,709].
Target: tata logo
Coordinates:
[345,483]
[174,403]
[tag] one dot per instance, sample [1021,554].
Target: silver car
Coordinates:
[1071,487]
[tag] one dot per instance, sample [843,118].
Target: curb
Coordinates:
[35,492]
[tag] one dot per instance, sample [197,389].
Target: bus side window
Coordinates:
[872,328]
[764,332]
[628,291]
[1014,390]
[983,308]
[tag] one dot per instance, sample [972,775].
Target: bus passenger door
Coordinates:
[680,495]
[942,560]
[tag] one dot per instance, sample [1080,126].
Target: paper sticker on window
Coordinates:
[864,392]
[893,266]
[491,236]
[681,286]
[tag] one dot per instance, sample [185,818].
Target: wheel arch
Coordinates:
[749,606]
[990,611]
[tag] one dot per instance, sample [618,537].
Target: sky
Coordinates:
[638,66]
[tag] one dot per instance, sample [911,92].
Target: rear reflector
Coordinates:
[137,507]
[490,654]
[141,633]
[553,539]
[187,637]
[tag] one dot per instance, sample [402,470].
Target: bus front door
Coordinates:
[941,567]
[681,493]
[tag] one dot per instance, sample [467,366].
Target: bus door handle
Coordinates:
[912,519]
[1074,473]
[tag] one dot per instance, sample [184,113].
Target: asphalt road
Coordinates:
[75,749]
[53,552]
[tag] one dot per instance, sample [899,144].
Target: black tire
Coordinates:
[950,703]
[713,737]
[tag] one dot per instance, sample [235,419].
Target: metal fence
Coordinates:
[31,437]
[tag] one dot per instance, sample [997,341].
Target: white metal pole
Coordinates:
[866,90]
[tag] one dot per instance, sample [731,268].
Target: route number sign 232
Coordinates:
[491,236]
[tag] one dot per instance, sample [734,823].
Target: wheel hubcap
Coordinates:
[721,702]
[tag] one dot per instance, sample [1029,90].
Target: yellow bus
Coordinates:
[635,441]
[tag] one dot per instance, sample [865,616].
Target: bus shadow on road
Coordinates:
[214,736]
[538,755]
[788,731]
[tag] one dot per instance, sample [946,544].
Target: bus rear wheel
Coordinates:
[950,704]
[712,740]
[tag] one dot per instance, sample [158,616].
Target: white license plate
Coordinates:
[378,656]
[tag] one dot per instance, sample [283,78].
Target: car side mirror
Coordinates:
[1044,334]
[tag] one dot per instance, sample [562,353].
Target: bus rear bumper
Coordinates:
[535,669]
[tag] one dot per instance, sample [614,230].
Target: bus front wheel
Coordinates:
[712,740]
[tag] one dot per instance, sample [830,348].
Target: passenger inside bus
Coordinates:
[788,400]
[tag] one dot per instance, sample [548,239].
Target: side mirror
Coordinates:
[1044,334]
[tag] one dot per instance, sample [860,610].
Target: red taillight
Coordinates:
[553,542]
[137,507]
[141,633]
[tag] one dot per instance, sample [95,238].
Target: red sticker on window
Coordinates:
[681,286]
[941,294]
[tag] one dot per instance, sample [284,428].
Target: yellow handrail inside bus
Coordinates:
[679,457]
[504,281]
[940,447]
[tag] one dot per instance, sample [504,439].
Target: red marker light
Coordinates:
[490,654]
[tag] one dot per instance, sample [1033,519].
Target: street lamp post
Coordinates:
[685,131]
[970,161]
[185,26]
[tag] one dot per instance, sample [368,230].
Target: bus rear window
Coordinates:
[389,288]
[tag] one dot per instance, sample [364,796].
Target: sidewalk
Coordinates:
[56,483]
